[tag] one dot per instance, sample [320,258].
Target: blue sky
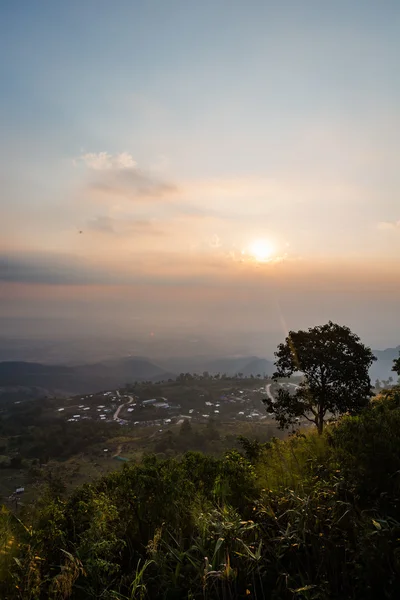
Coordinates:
[177,134]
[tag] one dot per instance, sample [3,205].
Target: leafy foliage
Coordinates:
[367,446]
[396,365]
[335,366]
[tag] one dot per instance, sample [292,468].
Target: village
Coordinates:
[124,423]
[170,405]
[114,406]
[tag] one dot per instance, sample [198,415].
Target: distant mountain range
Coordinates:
[254,365]
[60,379]
[111,374]
[247,365]
[230,365]
[382,367]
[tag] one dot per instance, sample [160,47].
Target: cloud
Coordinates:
[215,241]
[387,225]
[121,227]
[196,212]
[203,272]
[154,268]
[47,268]
[103,161]
[102,224]
[118,175]
[131,184]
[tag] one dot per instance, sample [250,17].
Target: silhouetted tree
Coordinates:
[396,365]
[335,366]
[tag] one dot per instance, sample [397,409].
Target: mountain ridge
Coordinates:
[79,379]
[117,372]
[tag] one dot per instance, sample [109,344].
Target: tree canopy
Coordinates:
[396,365]
[335,366]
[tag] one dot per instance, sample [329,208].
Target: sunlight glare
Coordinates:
[261,250]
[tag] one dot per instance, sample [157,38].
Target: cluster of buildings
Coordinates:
[121,408]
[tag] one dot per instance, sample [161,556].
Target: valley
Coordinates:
[82,436]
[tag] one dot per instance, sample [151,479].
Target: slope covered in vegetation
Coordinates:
[310,517]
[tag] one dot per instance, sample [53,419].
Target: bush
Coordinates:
[368,448]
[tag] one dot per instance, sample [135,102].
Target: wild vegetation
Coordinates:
[314,516]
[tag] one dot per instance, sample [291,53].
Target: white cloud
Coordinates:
[385,225]
[103,161]
[118,175]
[215,241]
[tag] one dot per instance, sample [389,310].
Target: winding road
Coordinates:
[116,414]
[269,393]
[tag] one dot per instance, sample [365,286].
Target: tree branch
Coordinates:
[311,420]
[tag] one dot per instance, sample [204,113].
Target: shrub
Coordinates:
[368,448]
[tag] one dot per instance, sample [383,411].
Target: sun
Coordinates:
[261,250]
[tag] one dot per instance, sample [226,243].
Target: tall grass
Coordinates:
[296,463]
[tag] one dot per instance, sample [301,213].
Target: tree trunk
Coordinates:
[321,414]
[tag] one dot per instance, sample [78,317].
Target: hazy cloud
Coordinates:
[103,161]
[110,225]
[118,175]
[102,224]
[47,268]
[385,225]
[130,184]
[215,241]
[196,283]
[156,268]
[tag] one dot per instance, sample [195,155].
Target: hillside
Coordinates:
[79,379]
[309,518]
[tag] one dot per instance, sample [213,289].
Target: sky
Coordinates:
[216,168]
